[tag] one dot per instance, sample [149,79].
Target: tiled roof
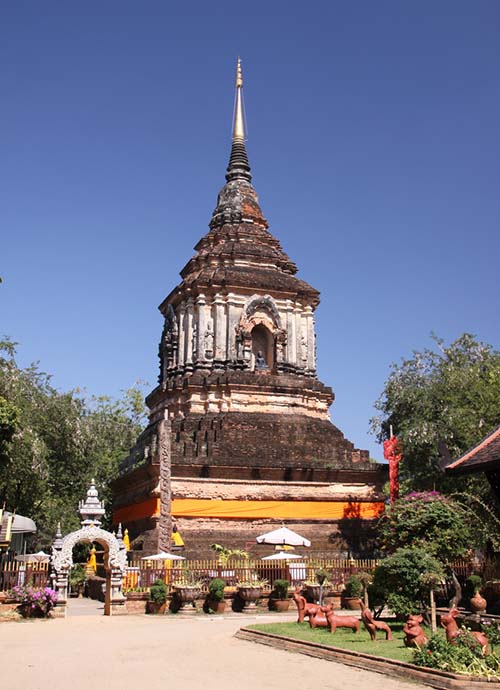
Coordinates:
[484,456]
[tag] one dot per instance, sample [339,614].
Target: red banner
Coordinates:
[392,453]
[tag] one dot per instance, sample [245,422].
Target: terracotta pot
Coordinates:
[216,606]
[281,605]
[153,607]
[351,603]
[250,595]
[478,603]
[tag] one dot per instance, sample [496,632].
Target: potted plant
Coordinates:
[314,589]
[250,591]
[77,579]
[215,600]
[476,601]
[186,592]
[352,593]
[279,597]
[157,597]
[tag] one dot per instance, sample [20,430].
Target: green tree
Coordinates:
[429,521]
[398,580]
[447,395]
[53,443]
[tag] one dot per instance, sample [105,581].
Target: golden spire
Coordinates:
[239,124]
[238,167]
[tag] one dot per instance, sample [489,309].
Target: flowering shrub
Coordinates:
[423,496]
[35,601]
[464,656]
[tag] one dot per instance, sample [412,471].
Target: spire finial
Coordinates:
[239,74]
[239,123]
[238,163]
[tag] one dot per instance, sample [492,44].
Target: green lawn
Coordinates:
[344,638]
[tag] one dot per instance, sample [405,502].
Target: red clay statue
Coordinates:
[372,625]
[326,618]
[452,630]
[415,636]
[303,608]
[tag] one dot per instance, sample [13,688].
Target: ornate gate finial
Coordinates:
[92,508]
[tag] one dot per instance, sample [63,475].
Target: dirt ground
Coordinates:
[93,652]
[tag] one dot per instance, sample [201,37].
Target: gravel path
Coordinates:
[162,652]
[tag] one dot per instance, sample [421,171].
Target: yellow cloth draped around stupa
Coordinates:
[177,540]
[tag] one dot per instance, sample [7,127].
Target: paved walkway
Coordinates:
[163,653]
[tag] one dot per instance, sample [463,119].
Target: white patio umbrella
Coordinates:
[38,557]
[281,556]
[163,556]
[284,536]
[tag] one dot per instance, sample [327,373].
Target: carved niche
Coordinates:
[259,310]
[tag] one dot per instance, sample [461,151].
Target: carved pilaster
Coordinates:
[188,335]
[220,330]
[292,336]
[182,336]
[165,524]
[201,322]
[311,358]
[233,314]
[300,339]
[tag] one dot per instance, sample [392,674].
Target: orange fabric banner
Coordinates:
[137,511]
[250,510]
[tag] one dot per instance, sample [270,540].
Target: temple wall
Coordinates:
[206,333]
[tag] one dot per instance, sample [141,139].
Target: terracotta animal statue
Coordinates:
[414,635]
[303,607]
[372,625]
[326,618]
[453,631]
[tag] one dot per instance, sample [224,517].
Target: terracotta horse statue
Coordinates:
[414,634]
[453,631]
[303,607]
[326,618]
[372,625]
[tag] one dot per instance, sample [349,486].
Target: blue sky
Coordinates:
[374,145]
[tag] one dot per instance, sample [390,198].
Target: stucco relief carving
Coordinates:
[259,310]
[62,558]
[263,303]
[169,341]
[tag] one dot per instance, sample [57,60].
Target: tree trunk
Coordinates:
[454,601]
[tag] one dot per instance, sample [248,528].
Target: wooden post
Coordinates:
[433,612]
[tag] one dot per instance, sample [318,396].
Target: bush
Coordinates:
[216,589]
[472,585]
[464,656]
[77,575]
[353,587]
[398,579]
[158,592]
[281,588]
[35,601]
[429,521]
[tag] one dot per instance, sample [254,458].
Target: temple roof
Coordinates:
[239,251]
[481,458]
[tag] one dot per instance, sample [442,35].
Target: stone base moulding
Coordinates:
[390,667]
